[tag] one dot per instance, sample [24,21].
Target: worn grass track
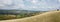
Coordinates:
[53,16]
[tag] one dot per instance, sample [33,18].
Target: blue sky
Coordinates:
[37,5]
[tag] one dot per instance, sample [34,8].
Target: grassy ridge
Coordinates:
[45,17]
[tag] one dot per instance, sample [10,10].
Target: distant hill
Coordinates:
[17,11]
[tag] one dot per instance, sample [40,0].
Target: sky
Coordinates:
[36,5]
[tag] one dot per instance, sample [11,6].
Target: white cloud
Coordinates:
[34,7]
[35,4]
[28,0]
[59,0]
[7,1]
[34,1]
[20,5]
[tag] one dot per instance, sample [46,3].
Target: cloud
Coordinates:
[32,4]
[34,1]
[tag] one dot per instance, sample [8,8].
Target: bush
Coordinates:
[5,17]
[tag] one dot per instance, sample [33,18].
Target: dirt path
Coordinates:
[53,16]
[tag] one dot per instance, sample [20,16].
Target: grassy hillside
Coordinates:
[53,16]
[10,14]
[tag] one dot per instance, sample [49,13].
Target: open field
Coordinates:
[53,16]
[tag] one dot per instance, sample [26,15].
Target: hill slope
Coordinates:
[45,17]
